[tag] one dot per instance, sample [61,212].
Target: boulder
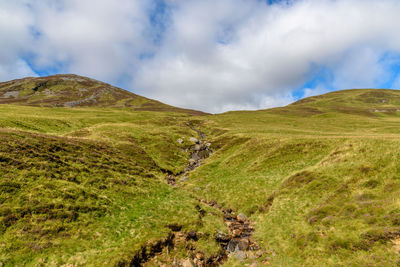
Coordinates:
[236,232]
[241,217]
[243,244]
[188,263]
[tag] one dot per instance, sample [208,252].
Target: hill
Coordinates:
[69,90]
[319,184]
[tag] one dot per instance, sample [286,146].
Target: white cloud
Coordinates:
[212,55]
[271,50]
[15,22]
[98,38]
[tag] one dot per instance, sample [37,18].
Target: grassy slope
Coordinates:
[322,183]
[85,186]
[320,178]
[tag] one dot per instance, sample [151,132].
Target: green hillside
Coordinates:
[319,181]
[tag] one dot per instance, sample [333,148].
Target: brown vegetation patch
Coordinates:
[299,179]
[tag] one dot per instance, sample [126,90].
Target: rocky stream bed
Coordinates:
[238,243]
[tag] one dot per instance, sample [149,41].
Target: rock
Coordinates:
[228,224]
[243,244]
[236,232]
[196,147]
[221,237]
[240,255]
[195,157]
[241,217]
[188,263]
[180,140]
[254,264]
[208,144]
[232,245]
[194,140]
[192,161]
[183,179]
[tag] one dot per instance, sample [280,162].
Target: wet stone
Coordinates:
[232,245]
[241,217]
[243,244]
[223,238]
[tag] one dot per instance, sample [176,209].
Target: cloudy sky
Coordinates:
[211,55]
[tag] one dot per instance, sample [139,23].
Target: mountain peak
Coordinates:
[71,90]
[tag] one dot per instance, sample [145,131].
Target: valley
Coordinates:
[103,183]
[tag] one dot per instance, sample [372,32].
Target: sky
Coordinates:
[210,55]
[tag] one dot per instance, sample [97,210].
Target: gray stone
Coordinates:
[194,139]
[188,263]
[180,140]
[243,244]
[240,255]
[241,217]
[195,157]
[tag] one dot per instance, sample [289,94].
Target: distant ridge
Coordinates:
[70,90]
[364,102]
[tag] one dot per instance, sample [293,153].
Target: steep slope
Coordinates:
[70,90]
